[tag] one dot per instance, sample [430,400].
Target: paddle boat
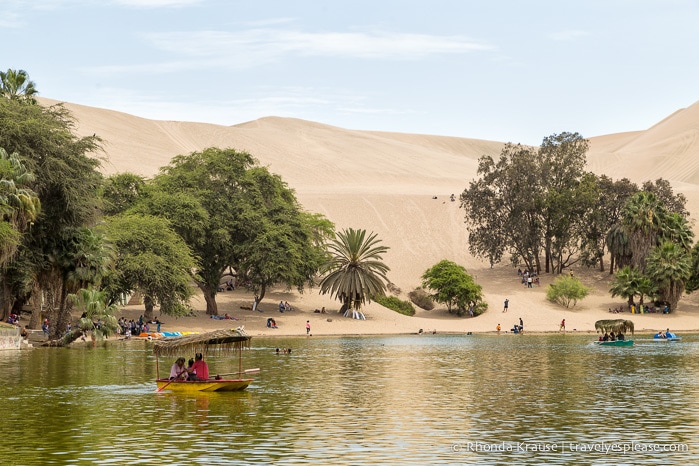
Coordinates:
[615,327]
[665,337]
[219,341]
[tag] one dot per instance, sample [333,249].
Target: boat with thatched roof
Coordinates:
[615,327]
[219,341]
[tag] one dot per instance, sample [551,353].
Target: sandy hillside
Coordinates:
[385,182]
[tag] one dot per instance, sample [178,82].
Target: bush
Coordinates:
[566,290]
[396,304]
[421,299]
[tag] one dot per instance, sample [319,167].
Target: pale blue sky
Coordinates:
[503,70]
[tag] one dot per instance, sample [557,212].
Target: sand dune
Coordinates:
[385,182]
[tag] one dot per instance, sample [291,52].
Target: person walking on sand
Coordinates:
[563,326]
[308,327]
[521,326]
[507,303]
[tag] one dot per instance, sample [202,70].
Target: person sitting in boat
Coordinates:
[178,371]
[200,369]
[620,336]
[669,334]
[605,337]
[611,336]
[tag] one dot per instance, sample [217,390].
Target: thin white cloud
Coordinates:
[156,3]
[567,36]
[267,44]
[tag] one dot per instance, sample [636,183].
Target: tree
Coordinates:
[669,266]
[16,85]
[355,271]
[560,163]
[120,192]
[93,305]
[566,290]
[606,210]
[288,246]
[150,259]
[502,207]
[454,287]
[642,219]
[627,284]
[66,182]
[19,204]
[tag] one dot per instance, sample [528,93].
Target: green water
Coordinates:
[432,399]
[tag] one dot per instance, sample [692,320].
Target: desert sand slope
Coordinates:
[385,182]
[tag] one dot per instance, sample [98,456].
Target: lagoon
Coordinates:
[430,399]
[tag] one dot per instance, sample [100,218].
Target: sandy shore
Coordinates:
[499,283]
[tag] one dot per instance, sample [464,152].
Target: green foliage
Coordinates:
[421,298]
[669,266]
[453,286]
[120,192]
[396,304]
[355,271]
[98,315]
[566,290]
[16,85]
[231,212]
[151,259]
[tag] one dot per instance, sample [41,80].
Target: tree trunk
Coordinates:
[210,298]
[5,301]
[36,306]
[63,315]
[611,265]
[149,304]
[601,263]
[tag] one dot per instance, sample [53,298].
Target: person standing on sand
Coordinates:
[498,329]
[308,327]
[563,326]
[507,303]
[521,326]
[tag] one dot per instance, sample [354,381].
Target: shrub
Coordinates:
[421,299]
[566,290]
[396,304]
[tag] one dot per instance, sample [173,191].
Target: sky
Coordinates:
[503,70]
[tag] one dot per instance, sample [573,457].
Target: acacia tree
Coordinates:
[289,245]
[355,271]
[453,286]
[150,259]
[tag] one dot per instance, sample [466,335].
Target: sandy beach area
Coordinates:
[500,283]
[398,186]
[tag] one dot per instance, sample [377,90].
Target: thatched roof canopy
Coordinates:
[205,343]
[614,325]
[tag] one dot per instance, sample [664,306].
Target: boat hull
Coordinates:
[194,386]
[615,343]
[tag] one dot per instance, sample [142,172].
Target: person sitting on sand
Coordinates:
[178,371]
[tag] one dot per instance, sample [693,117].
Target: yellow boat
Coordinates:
[212,385]
[227,341]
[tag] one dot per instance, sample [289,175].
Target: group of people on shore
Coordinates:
[197,369]
[641,309]
[529,279]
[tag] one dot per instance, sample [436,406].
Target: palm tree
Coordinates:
[618,245]
[16,85]
[19,205]
[355,271]
[626,284]
[642,217]
[670,266]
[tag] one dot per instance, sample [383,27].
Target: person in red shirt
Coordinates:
[200,369]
